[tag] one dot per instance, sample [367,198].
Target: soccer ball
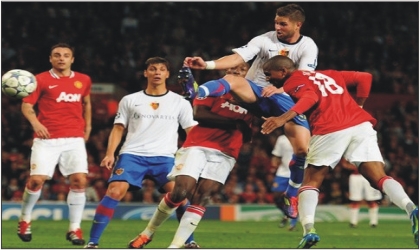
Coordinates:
[18,83]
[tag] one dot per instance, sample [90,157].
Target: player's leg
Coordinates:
[325,152]
[190,242]
[355,196]
[209,182]
[73,163]
[105,211]
[278,187]
[176,196]
[128,170]
[308,200]
[194,213]
[299,137]
[374,172]
[177,192]
[76,200]
[31,195]
[44,158]
[373,213]
[239,86]
[293,223]
[372,168]
[372,197]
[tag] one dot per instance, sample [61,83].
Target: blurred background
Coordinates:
[114,39]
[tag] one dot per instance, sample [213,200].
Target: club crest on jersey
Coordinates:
[78,84]
[154,105]
[284,52]
[119,171]
[33,166]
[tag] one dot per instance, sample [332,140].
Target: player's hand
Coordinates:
[108,162]
[271,90]
[41,131]
[271,123]
[195,62]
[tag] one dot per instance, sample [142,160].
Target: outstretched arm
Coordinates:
[305,102]
[225,62]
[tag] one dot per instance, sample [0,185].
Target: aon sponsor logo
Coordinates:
[234,108]
[64,97]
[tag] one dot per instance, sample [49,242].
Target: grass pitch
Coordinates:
[217,234]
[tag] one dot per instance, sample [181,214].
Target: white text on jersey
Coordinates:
[69,97]
[234,108]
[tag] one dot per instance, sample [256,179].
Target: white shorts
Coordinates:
[357,144]
[360,189]
[202,162]
[69,153]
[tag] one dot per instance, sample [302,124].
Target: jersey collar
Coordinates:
[54,75]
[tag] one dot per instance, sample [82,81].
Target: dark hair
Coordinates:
[292,11]
[156,60]
[62,45]
[278,62]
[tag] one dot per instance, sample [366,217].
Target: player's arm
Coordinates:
[306,99]
[362,81]
[275,160]
[28,111]
[87,115]
[309,58]
[225,62]
[114,140]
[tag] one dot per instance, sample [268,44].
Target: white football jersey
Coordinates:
[284,150]
[304,53]
[152,122]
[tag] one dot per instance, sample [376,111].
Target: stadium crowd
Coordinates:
[113,40]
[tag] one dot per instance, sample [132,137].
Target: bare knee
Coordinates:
[301,151]
[179,193]
[35,182]
[117,190]
[77,181]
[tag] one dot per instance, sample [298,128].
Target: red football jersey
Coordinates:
[333,107]
[227,141]
[59,103]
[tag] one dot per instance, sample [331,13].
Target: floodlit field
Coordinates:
[216,234]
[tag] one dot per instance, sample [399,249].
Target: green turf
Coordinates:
[216,234]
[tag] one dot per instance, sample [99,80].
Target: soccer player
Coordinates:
[151,118]
[340,128]
[203,163]
[360,189]
[62,127]
[287,40]
[281,156]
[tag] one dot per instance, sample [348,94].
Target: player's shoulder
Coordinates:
[44,78]
[307,40]
[176,96]
[81,76]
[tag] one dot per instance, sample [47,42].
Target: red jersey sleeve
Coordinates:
[299,88]
[362,81]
